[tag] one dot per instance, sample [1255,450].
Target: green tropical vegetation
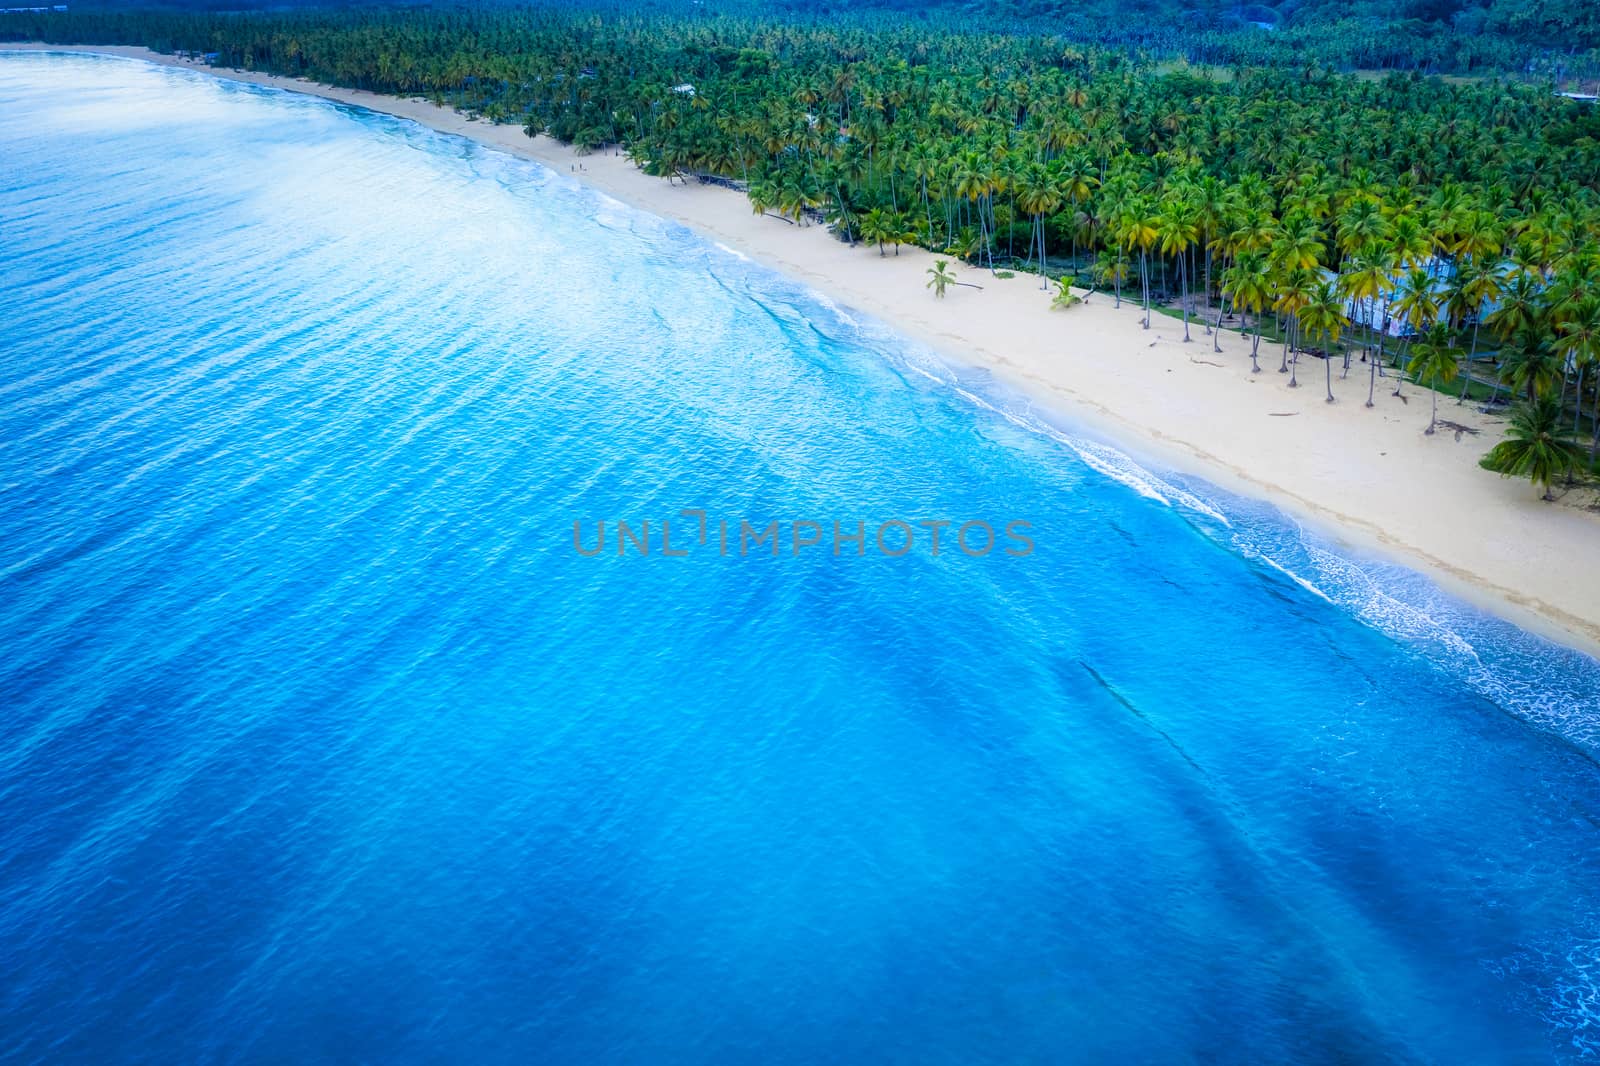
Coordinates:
[1310,183]
[1536,446]
[1434,359]
[1064,297]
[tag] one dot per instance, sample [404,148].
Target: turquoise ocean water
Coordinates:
[319,742]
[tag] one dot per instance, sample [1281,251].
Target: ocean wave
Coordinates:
[1551,687]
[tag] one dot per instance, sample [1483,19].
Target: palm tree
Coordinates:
[1579,342]
[879,227]
[977,183]
[1480,238]
[1411,242]
[1434,357]
[1248,284]
[1323,316]
[1293,287]
[1519,307]
[1418,307]
[1361,224]
[794,199]
[1417,303]
[1256,231]
[1388,262]
[1215,207]
[1481,286]
[941,277]
[1299,246]
[1536,446]
[1111,268]
[1138,228]
[1076,182]
[763,197]
[1037,196]
[1064,297]
[1532,366]
[1176,232]
[1521,310]
[1365,279]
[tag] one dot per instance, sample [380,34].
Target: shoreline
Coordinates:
[1369,480]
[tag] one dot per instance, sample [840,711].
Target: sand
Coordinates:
[1368,478]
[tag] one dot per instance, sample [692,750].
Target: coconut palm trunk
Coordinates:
[1577,400]
[1594,441]
[1183,286]
[1472,353]
[1144,281]
[1494,392]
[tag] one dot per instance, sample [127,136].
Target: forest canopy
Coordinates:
[1456,215]
[1555,38]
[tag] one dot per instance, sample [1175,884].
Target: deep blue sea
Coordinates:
[319,742]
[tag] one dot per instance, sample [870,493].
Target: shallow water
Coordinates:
[321,743]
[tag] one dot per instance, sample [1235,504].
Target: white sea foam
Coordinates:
[833,307]
[1549,687]
[1296,578]
[1574,1008]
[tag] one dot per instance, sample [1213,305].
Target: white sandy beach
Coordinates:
[1369,477]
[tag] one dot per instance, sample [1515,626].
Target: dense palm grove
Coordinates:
[1463,214]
